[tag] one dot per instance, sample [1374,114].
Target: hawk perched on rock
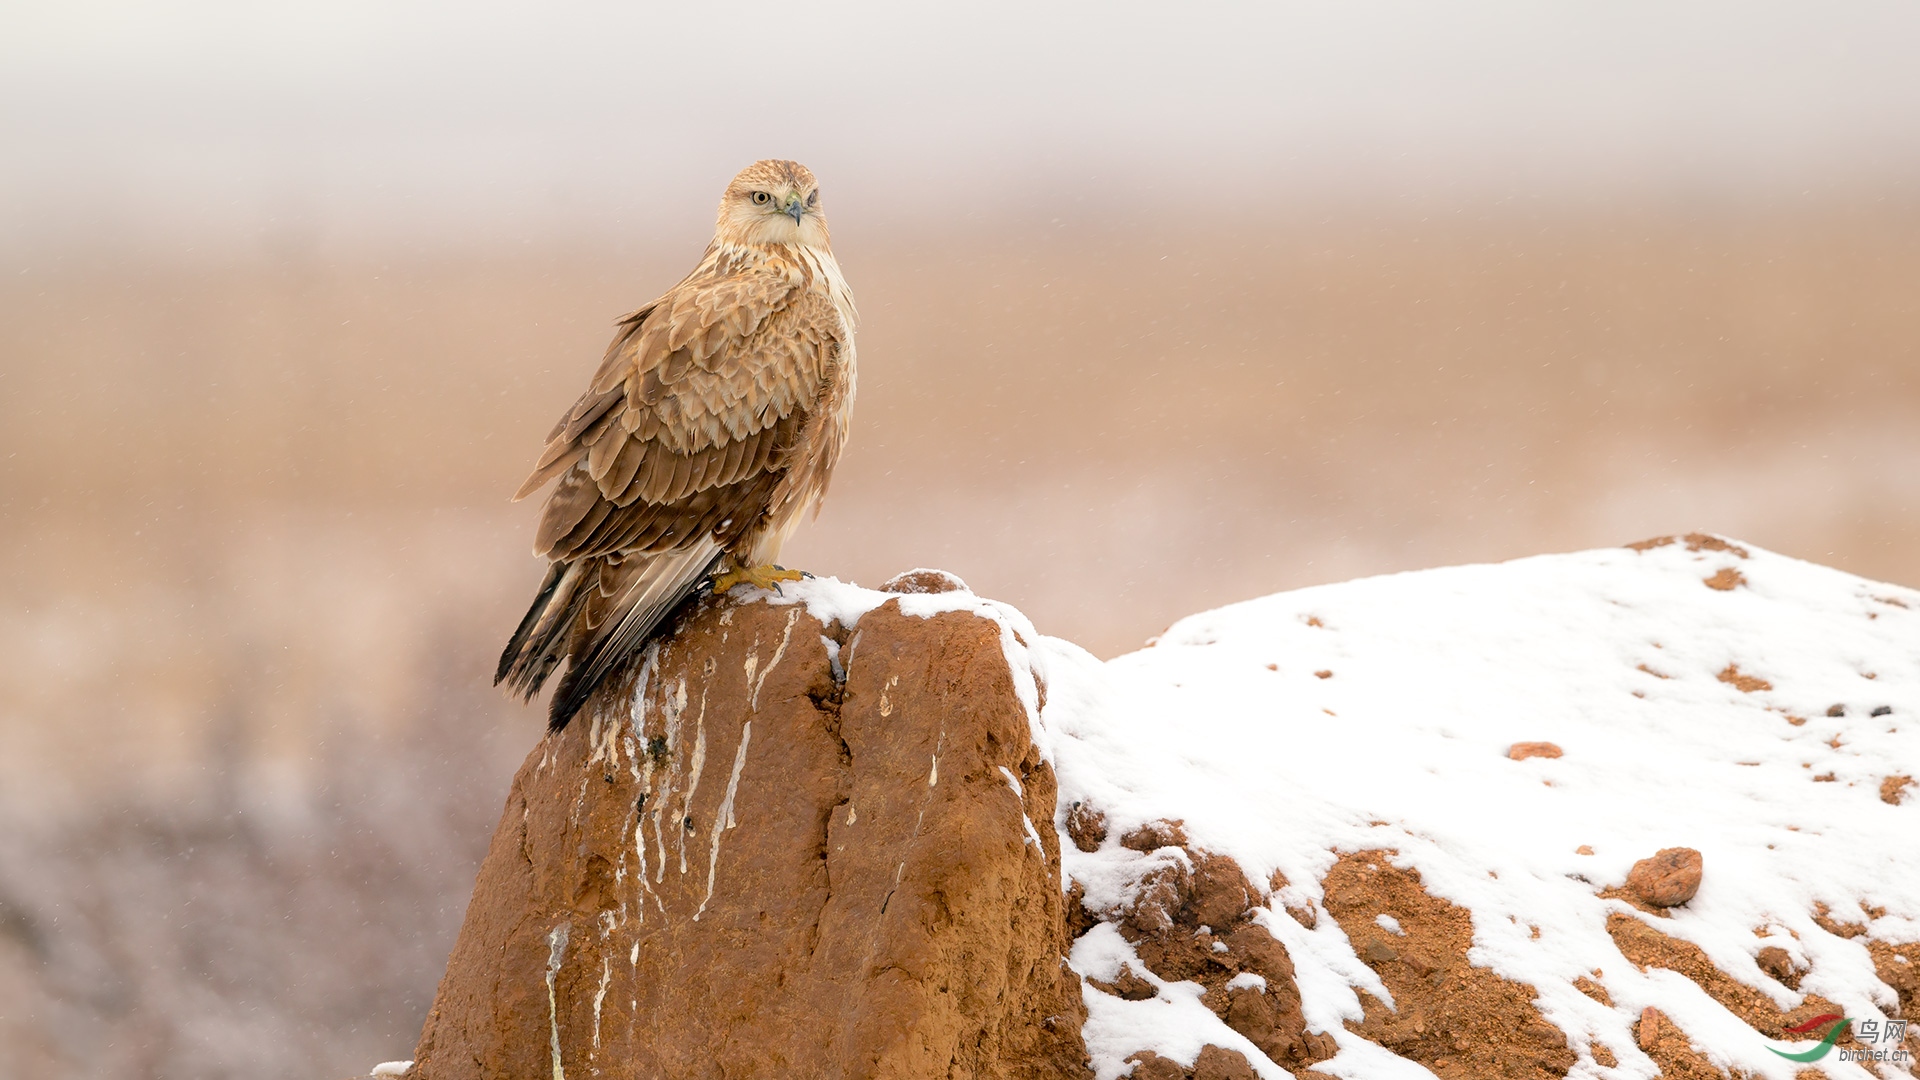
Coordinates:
[712,425]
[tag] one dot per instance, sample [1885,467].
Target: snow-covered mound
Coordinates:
[1758,709]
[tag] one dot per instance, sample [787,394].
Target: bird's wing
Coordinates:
[678,448]
[691,420]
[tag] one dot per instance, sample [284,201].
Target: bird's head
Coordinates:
[772,202]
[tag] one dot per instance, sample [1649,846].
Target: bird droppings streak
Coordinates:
[645,679]
[672,705]
[599,996]
[693,774]
[753,698]
[723,817]
[556,952]
[640,845]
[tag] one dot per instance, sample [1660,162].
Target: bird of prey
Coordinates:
[713,424]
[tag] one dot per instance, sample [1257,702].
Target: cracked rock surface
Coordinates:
[775,848]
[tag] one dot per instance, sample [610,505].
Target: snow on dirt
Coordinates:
[1701,693]
[1704,694]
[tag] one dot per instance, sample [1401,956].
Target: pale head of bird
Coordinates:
[772,202]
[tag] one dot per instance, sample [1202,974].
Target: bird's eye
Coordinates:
[761,198]
[813,197]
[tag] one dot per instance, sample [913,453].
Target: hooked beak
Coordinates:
[795,208]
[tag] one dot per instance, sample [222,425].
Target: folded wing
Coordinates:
[674,454]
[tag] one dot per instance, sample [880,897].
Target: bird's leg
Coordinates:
[766,577]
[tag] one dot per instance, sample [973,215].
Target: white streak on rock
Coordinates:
[723,818]
[693,776]
[600,995]
[672,706]
[556,952]
[645,679]
[753,699]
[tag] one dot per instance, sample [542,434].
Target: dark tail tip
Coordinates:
[572,693]
[518,645]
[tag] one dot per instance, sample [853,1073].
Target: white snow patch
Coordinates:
[1631,663]
[391,1068]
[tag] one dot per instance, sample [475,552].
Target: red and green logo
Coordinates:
[1826,1041]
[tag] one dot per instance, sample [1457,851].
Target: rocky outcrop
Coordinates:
[824,837]
[778,848]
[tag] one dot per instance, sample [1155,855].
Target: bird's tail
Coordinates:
[540,641]
[600,613]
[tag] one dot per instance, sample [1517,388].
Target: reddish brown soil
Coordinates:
[1193,921]
[1893,790]
[1726,579]
[1746,684]
[1694,542]
[1899,967]
[1086,827]
[1647,947]
[1460,1021]
[1663,1041]
[1214,1063]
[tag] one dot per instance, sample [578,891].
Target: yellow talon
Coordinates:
[766,577]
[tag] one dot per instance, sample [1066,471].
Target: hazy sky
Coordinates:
[366,119]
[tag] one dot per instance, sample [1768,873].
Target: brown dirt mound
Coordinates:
[765,871]
[1460,1021]
[1086,827]
[1196,924]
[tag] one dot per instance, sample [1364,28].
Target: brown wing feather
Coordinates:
[691,406]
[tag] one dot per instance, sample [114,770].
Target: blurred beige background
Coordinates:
[1161,310]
